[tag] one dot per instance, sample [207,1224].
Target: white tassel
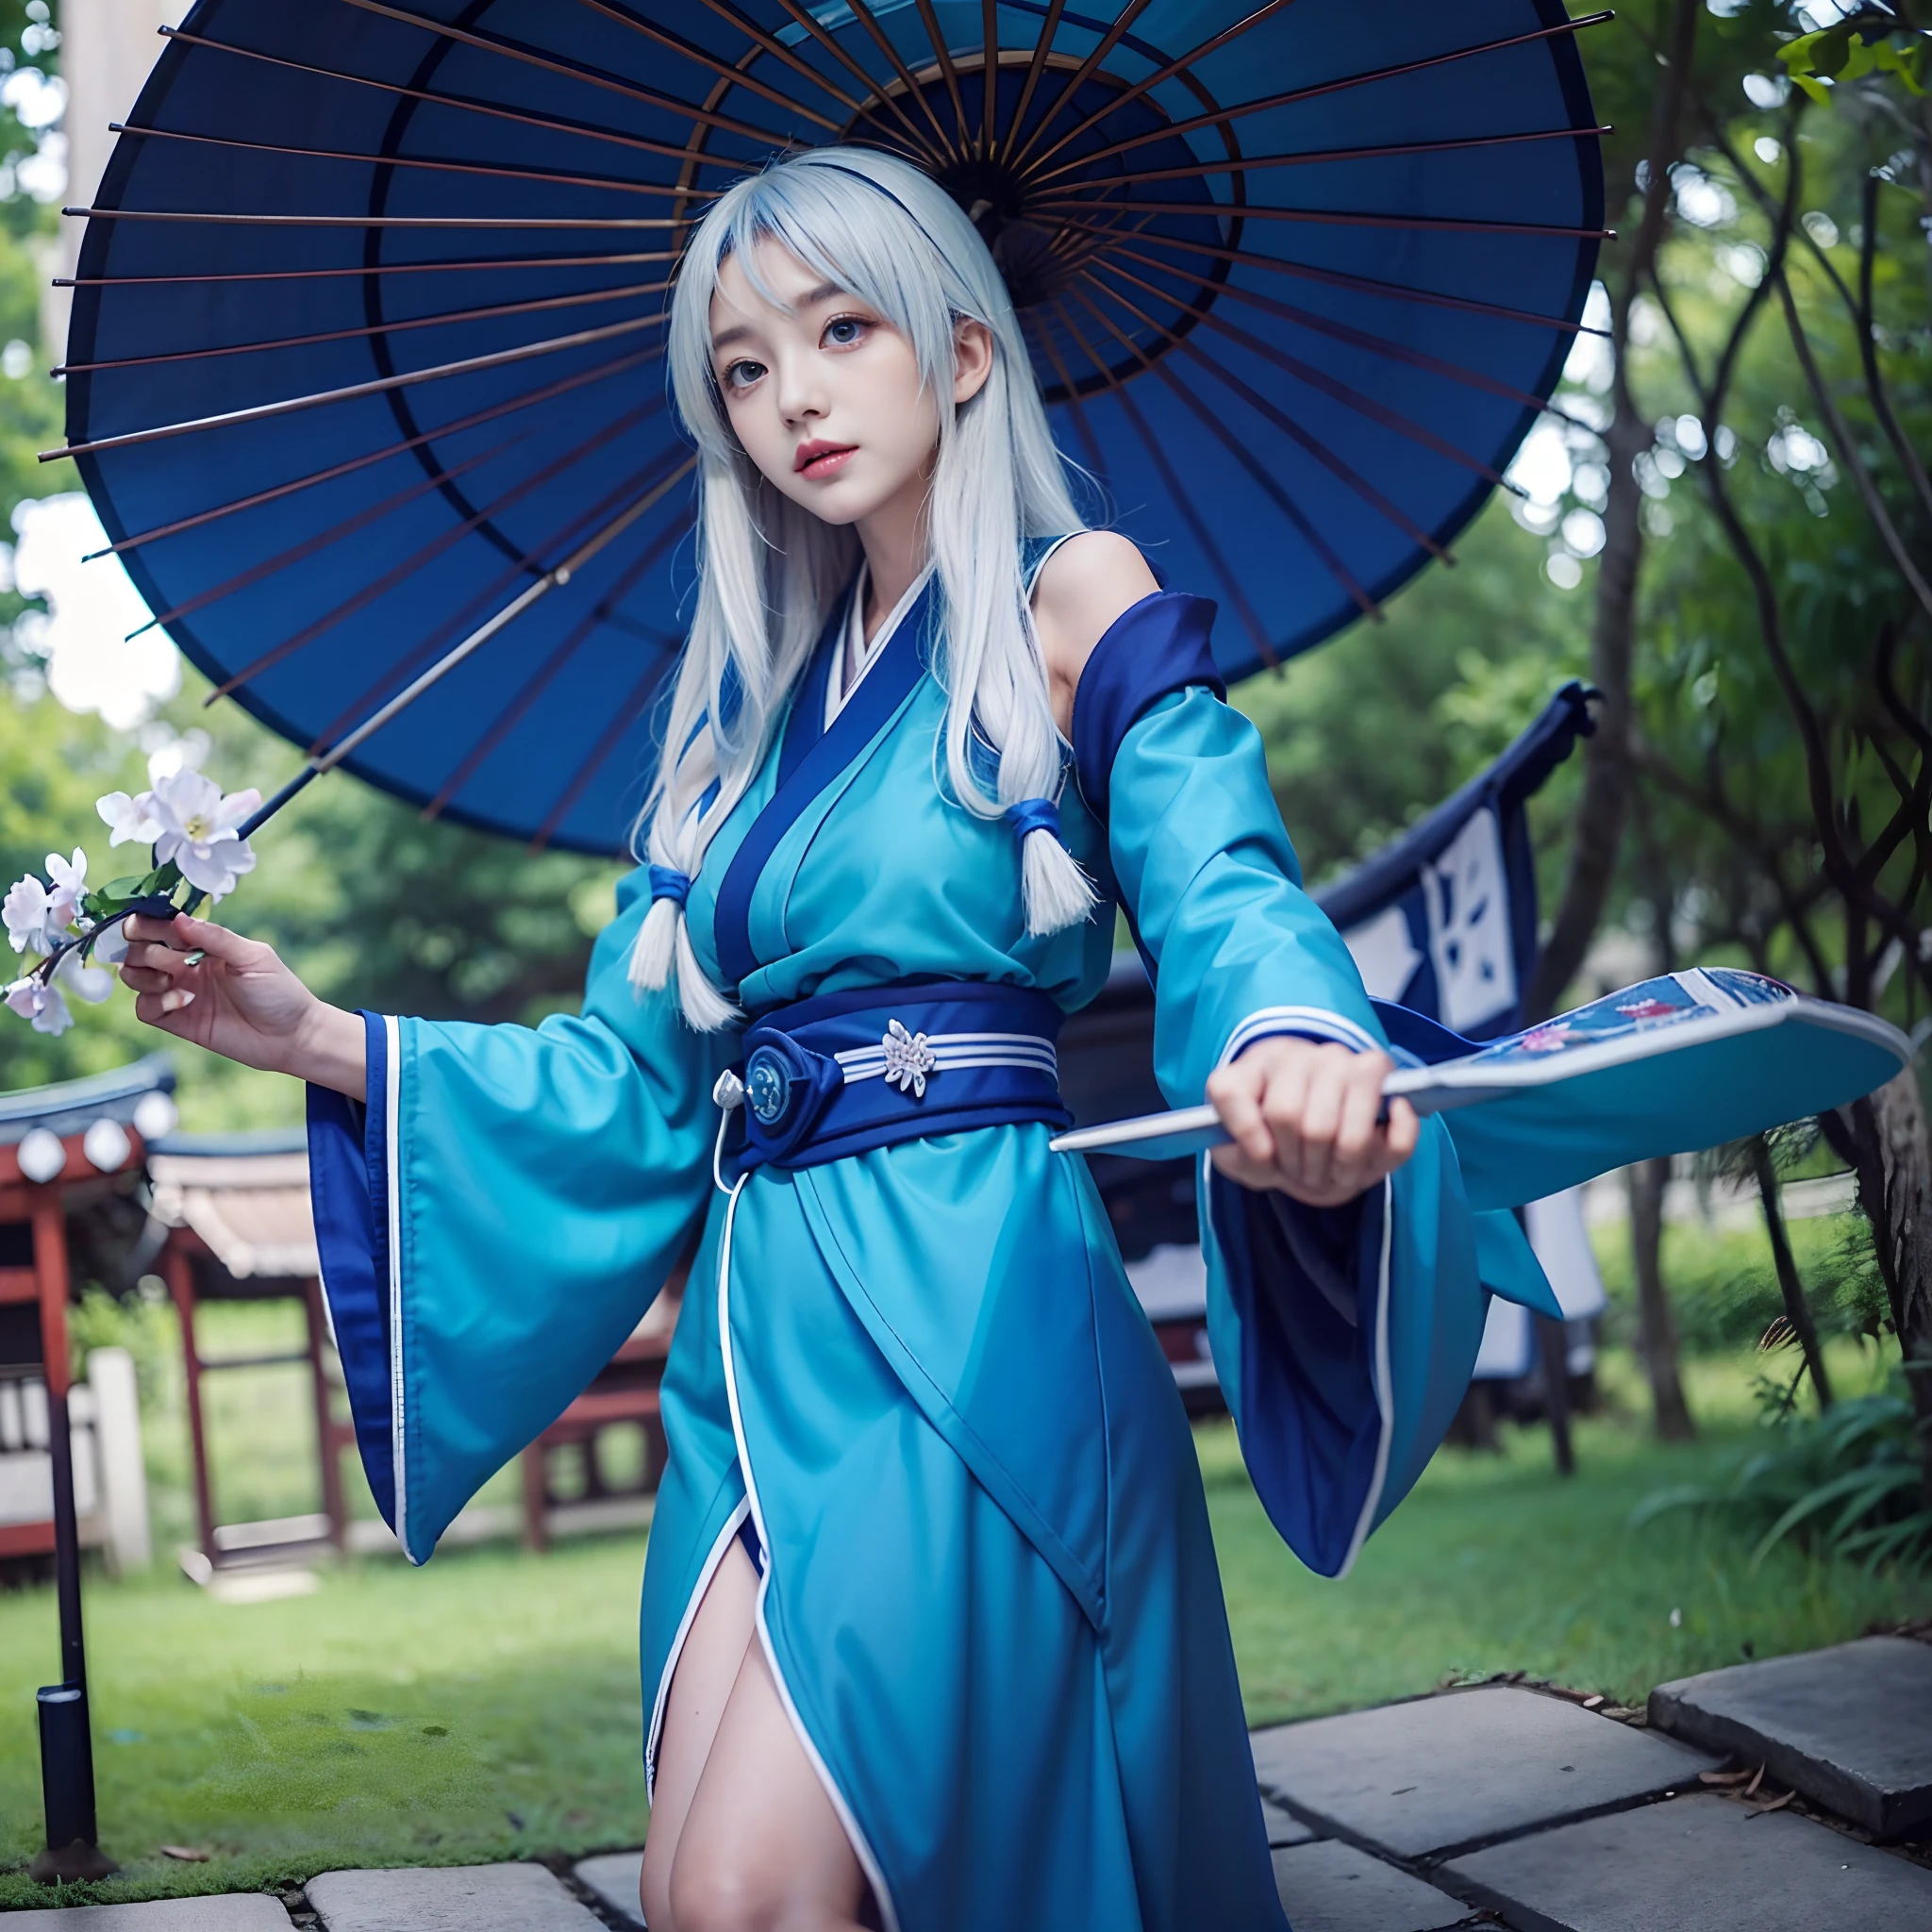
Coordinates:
[706,1009]
[654,947]
[1056,894]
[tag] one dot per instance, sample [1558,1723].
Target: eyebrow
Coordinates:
[737,333]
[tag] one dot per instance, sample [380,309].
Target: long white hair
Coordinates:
[770,571]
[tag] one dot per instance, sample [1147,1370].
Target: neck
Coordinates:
[893,540]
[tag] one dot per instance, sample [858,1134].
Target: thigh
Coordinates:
[708,1667]
[761,1843]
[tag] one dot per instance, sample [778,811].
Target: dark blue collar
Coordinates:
[810,758]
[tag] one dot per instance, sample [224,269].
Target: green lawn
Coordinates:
[487,1706]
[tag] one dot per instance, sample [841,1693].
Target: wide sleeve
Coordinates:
[499,1217]
[1343,1337]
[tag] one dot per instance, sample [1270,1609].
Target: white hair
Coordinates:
[770,572]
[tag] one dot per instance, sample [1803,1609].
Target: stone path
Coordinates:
[1851,1726]
[1497,1803]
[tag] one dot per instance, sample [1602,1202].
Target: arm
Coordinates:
[233,996]
[1304,1115]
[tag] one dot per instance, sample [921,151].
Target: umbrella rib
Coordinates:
[1212,46]
[988,74]
[467,614]
[590,130]
[1082,74]
[474,265]
[710,62]
[602,182]
[513,713]
[621,719]
[1281,420]
[1269,485]
[1350,398]
[549,393]
[1323,217]
[1204,537]
[418,558]
[1338,332]
[805,18]
[929,20]
[219,218]
[1042,47]
[1296,95]
[776,48]
[1243,164]
[374,328]
[321,540]
[570,70]
[1340,278]
[350,391]
[1073,400]
[549,582]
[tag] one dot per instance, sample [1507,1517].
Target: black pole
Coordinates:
[67,1755]
[66,1546]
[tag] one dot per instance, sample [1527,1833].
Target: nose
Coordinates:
[801,396]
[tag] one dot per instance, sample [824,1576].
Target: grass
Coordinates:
[488,1707]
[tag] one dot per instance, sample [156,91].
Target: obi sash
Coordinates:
[849,1072]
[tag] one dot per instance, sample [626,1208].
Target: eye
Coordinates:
[843,331]
[742,375]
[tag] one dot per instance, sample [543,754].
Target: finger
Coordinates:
[218,941]
[1321,1115]
[167,1010]
[142,979]
[1356,1142]
[159,932]
[1231,1161]
[1399,1137]
[152,957]
[1236,1093]
[1282,1105]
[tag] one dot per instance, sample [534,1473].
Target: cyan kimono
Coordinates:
[990,1593]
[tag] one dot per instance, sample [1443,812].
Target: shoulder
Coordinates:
[1087,583]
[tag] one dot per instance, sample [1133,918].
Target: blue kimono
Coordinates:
[916,1370]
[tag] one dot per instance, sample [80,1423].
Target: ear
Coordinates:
[972,359]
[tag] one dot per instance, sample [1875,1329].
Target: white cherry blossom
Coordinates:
[43,1005]
[129,818]
[198,831]
[26,910]
[68,876]
[89,983]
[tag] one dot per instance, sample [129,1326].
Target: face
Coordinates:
[823,393]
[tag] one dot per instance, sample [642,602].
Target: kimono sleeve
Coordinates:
[497,1218]
[1343,1337]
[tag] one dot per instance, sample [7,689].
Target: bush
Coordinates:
[1847,1483]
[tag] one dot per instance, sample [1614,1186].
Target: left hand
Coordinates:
[1302,1118]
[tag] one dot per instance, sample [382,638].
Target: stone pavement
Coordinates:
[1499,1803]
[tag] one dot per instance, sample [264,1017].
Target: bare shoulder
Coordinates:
[1087,583]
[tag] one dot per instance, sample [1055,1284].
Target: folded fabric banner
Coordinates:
[1679,1062]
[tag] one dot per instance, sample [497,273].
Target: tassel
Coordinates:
[1056,892]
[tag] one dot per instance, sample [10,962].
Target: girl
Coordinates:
[932,1634]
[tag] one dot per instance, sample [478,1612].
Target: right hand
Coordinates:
[238,999]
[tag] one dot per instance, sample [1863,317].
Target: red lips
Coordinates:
[819,459]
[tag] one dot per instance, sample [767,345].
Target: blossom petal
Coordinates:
[110,944]
[89,983]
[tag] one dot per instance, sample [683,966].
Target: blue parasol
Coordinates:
[365,371]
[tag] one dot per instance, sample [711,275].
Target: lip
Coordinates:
[819,459]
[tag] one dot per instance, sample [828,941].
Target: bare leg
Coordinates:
[761,1849]
[708,1667]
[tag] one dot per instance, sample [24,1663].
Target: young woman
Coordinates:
[932,1632]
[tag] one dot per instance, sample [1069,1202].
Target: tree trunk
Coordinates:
[1895,1191]
[1607,763]
[1797,1309]
[1656,1327]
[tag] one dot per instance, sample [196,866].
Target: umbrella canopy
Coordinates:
[366,352]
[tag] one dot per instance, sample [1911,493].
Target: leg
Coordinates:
[714,1648]
[762,1849]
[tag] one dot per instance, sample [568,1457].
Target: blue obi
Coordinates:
[848,1072]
